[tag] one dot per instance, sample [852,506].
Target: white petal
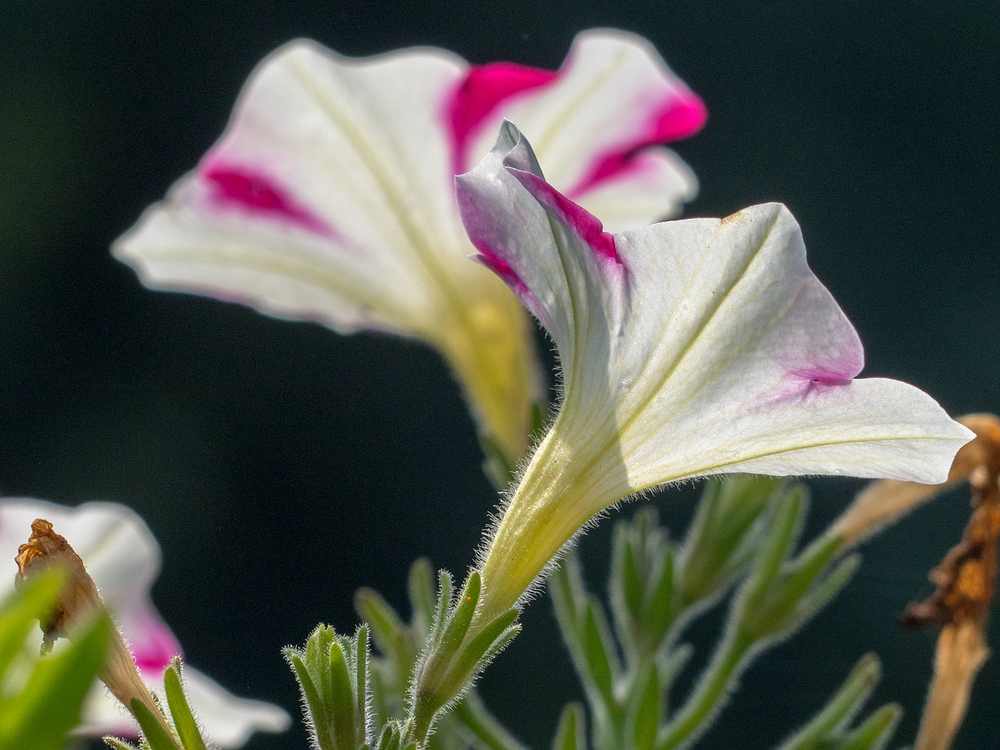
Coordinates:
[592,127]
[328,198]
[736,356]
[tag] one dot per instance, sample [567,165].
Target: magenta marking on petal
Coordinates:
[258,194]
[680,116]
[479,94]
[579,220]
[153,644]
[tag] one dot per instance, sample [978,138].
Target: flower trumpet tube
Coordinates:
[330,196]
[687,348]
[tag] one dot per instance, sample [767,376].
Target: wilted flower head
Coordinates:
[116,554]
[330,196]
[688,348]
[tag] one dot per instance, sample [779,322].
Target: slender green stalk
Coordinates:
[715,683]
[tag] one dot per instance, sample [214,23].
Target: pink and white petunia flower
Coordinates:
[123,558]
[688,348]
[330,196]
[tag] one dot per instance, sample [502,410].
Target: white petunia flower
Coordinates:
[330,196]
[688,348]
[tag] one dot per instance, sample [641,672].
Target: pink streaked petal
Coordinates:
[580,221]
[253,192]
[479,94]
[152,642]
[680,116]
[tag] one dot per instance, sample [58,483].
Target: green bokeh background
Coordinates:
[282,466]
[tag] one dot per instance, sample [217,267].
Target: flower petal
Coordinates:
[327,199]
[123,558]
[593,126]
[330,198]
[688,348]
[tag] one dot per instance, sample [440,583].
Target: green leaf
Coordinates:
[49,705]
[421,590]
[314,704]
[481,724]
[598,652]
[116,744]
[570,734]
[841,707]
[153,730]
[180,711]
[361,688]
[659,608]
[461,616]
[645,709]
[487,643]
[875,732]
[340,699]
[379,615]
[20,611]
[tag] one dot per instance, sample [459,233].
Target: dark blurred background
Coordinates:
[282,466]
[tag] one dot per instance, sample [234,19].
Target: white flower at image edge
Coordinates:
[330,196]
[123,558]
[687,348]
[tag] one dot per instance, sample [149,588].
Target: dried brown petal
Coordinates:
[961,652]
[79,600]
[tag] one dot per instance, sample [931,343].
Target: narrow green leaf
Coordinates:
[659,614]
[781,538]
[875,732]
[314,704]
[483,644]
[421,590]
[598,652]
[49,705]
[116,744]
[630,580]
[20,611]
[341,699]
[180,711]
[443,602]
[817,597]
[840,708]
[498,645]
[152,730]
[570,734]
[461,618]
[389,739]
[379,615]
[645,708]
[361,689]
[809,565]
